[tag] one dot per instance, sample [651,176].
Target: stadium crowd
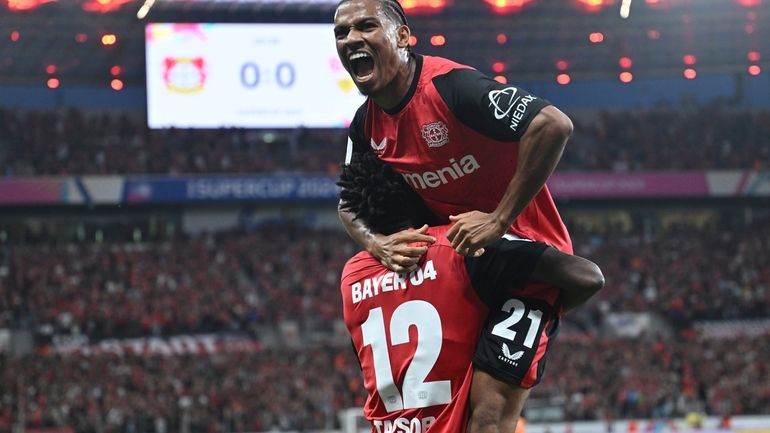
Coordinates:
[221,283]
[284,389]
[292,389]
[75,142]
[224,282]
[205,283]
[685,274]
[620,378]
[687,137]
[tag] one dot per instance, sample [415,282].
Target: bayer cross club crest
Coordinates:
[184,75]
[436,134]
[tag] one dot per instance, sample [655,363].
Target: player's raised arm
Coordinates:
[508,114]
[540,150]
[509,263]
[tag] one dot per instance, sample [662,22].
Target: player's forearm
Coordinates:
[540,150]
[577,278]
[356,229]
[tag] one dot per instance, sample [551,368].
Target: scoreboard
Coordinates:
[214,75]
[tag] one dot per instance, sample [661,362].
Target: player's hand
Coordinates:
[395,252]
[473,231]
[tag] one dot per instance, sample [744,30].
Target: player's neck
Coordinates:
[396,90]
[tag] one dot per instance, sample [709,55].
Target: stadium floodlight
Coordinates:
[625,9]
[145,9]
[258,2]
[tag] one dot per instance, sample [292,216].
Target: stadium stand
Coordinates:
[223,282]
[604,379]
[53,143]
[220,283]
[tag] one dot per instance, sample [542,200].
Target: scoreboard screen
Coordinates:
[246,76]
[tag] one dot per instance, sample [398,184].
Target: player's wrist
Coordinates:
[374,244]
[501,222]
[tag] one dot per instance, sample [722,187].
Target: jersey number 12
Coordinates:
[415,392]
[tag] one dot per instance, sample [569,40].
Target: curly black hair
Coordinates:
[380,197]
[392,9]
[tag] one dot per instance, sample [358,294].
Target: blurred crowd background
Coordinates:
[224,282]
[713,136]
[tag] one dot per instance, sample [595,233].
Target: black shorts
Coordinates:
[514,343]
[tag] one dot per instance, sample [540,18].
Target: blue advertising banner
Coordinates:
[230,189]
[288,188]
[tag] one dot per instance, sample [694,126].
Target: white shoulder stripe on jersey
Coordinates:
[511,237]
[349,152]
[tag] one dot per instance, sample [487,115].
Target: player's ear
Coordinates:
[403,33]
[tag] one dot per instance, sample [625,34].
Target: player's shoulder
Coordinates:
[360,116]
[442,244]
[361,261]
[360,266]
[434,66]
[458,85]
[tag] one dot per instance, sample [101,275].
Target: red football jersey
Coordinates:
[455,139]
[415,337]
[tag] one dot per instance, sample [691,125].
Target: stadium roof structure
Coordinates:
[541,41]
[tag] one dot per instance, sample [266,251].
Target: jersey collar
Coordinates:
[412,87]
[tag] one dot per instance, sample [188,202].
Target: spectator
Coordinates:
[707,137]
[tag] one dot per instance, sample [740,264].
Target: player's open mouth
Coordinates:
[362,65]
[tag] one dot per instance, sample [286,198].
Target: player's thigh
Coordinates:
[514,344]
[495,405]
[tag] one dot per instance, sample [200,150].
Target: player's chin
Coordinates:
[367,88]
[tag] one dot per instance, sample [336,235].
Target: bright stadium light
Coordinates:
[596,37]
[625,62]
[26,5]
[104,6]
[109,39]
[594,5]
[145,9]
[749,3]
[437,40]
[507,6]
[424,6]
[626,77]
[116,84]
[625,9]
